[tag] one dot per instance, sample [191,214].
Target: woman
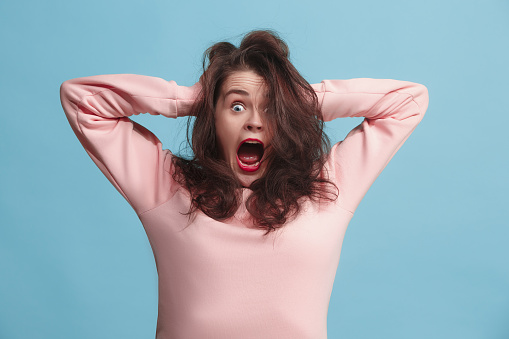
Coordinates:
[247,234]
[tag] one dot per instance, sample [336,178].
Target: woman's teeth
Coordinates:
[250,154]
[255,164]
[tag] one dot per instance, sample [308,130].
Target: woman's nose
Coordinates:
[254,122]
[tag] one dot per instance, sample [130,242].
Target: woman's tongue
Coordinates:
[248,154]
[249,159]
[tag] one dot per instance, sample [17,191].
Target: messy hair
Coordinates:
[295,165]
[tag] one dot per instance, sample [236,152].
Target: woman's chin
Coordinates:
[246,174]
[247,179]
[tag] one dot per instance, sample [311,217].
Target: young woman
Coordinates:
[247,234]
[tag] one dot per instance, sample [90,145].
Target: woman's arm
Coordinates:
[129,155]
[392,110]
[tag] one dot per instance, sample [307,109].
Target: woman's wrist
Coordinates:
[186,98]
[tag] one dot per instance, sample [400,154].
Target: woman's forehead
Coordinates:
[246,83]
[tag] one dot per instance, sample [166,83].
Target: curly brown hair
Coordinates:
[300,147]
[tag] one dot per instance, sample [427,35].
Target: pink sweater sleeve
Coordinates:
[392,110]
[130,156]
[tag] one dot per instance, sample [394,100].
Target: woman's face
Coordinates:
[241,129]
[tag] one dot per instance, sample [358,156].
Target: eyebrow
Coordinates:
[237,91]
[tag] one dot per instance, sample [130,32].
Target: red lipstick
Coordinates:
[250,166]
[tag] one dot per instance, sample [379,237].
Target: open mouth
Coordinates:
[249,154]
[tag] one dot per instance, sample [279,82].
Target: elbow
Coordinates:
[421,98]
[69,96]
[71,92]
[65,91]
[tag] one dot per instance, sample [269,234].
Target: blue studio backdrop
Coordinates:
[425,255]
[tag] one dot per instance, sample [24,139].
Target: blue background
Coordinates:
[425,255]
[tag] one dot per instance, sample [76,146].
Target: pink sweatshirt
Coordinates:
[225,279]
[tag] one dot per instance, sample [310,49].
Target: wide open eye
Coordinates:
[238,107]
